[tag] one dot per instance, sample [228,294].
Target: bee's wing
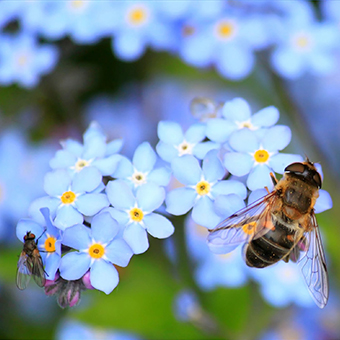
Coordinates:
[248,223]
[24,271]
[313,265]
[38,269]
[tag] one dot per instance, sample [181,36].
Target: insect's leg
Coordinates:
[274,180]
[267,190]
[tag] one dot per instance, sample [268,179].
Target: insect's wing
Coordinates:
[38,269]
[313,265]
[249,223]
[24,271]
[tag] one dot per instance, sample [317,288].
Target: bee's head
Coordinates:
[306,171]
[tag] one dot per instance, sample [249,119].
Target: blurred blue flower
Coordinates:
[236,115]
[259,156]
[186,306]
[24,61]
[141,169]
[95,152]
[70,199]
[202,186]
[135,212]
[98,248]
[174,143]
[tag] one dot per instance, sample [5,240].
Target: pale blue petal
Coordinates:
[158,226]
[186,169]
[180,201]
[91,204]
[276,138]
[107,166]
[26,225]
[204,214]
[136,237]
[256,194]
[104,276]
[236,109]
[118,252]
[86,180]
[266,117]
[324,202]
[104,228]
[94,147]
[124,168]
[52,264]
[43,202]
[160,176]
[128,46]
[201,149]
[144,158]
[244,141]
[120,195]
[150,196]
[77,237]
[212,167]
[279,161]
[226,205]
[74,265]
[72,146]
[195,133]
[166,152]
[238,164]
[219,130]
[288,63]
[67,216]
[259,178]
[63,159]
[170,132]
[122,217]
[114,146]
[57,182]
[229,187]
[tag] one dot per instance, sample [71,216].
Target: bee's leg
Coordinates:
[267,190]
[274,180]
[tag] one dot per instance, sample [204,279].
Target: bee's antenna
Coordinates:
[307,159]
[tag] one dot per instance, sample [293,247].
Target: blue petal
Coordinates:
[230,186]
[74,265]
[72,146]
[124,168]
[49,202]
[67,216]
[276,138]
[128,46]
[95,147]
[219,130]
[180,201]
[288,63]
[186,169]
[77,237]
[244,140]
[256,194]
[158,226]
[212,167]
[195,133]
[259,178]
[52,263]
[91,204]
[122,217]
[226,205]
[204,214]
[238,164]
[114,147]
[118,252]
[324,202]
[57,182]
[266,117]
[86,180]
[279,161]
[26,225]
[170,132]
[107,166]
[136,237]
[166,151]
[104,227]
[104,276]
[160,176]
[144,158]
[150,196]
[201,149]
[120,194]
[236,109]
[62,159]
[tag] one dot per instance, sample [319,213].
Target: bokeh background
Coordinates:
[129,65]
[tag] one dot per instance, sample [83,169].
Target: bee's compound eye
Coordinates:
[317,179]
[296,167]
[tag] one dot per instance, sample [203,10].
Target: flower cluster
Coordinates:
[227,35]
[100,205]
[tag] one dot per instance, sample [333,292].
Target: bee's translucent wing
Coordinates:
[313,265]
[248,223]
[24,271]
[38,269]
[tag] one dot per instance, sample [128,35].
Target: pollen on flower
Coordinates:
[249,227]
[80,164]
[302,41]
[136,214]
[138,178]
[185,148]
[96,251]
[50,244]
[226,29]
[68,197]
[137,16]
[261,156]
[245,124]
[203,188]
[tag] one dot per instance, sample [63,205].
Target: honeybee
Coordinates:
[281,226]
[30,263]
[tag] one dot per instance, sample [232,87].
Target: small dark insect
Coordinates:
[30,263]
[281,226]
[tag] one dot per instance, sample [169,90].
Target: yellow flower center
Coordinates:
[203,188]
[249,228]
[68,197]
[302,41]
[226,29]
[96,251]
[261,156]
[50,244]
[137,16]
[136,214]
[81,163]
